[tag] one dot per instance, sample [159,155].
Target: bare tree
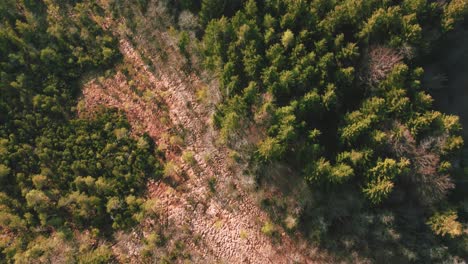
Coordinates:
[381,61]
[430,184]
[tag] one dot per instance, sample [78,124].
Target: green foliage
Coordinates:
[102,254]
[58,172]
[454,11]
[341,172]
[212,184]
[355,158]
[211,9]
[287,38]
[388,169]
[326,115]
[184,41]
[188,157]
[229,125]
[4,171]
[324,171]
[380,178]
[270,149]
[446,223]
[170,169]
[378,190]
[268,229]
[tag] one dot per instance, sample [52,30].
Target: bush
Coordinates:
[268,229]
[170,169]
[188,157]
[446,223]
[212,184]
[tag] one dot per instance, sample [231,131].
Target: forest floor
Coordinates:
[450,92]
[206,195]
[452,95]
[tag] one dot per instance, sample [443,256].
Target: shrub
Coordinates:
[170,169]
[212,184]
[268,228]
[188,157]
[243,234]
[446,223]
[176,140]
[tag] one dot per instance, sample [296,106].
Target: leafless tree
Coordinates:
[381,61]
[430,184]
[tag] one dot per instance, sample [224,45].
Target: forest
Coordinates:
[333,89]
[61,174]
[337,87]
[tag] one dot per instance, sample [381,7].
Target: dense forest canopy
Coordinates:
[60,173]
[333,88]
[337,87]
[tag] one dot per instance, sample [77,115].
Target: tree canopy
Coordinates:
[60,173]
[339,86]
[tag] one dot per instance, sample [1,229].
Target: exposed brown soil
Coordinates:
[228,221]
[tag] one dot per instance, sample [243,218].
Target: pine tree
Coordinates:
[446,223]
[211,9]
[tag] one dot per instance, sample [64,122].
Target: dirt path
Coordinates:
[228,221]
